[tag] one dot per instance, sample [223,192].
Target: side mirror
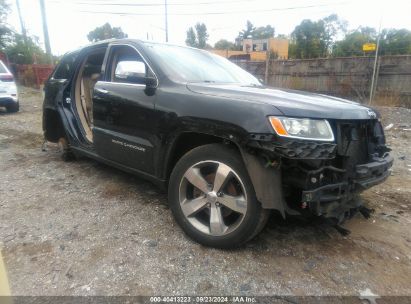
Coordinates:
[151,82]
[126,69]
[151,85]
[135,72]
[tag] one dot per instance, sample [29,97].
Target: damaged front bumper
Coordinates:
[320,178]
[332,200]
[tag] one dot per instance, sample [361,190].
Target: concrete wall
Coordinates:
[346,77]
[254,56]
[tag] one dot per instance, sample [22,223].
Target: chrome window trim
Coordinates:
[123,83]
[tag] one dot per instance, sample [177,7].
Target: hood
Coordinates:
[291,103]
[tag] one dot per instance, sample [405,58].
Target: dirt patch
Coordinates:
[21,138]
[30,249]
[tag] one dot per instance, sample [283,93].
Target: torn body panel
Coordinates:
[317,178]
[295,149]
[266,179]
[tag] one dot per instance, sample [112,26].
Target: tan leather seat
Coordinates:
[86,88]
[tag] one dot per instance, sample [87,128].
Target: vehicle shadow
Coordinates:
[277,228]
[3,112]
[280,232]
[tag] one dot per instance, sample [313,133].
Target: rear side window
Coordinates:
[65,68]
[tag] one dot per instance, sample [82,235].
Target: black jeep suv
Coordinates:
[228,148]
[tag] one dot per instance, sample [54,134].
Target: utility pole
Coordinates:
[267,66]
[45,30]
[374,75]
[23,28]
[166,18]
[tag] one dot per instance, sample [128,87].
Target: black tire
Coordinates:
[13,108]
[254,219]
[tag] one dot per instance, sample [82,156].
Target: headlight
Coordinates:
[304,128]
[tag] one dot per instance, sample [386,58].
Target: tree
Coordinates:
[5,32]
[334,27]
[247,32]
[263,32]
[395,42]
[202,35]
[191,39]
[308,40]
[4,10]
[224,44]
[21,52]
[197,36]
[105,32]
[282,36]
[352,43]
[312,39]
[392,42]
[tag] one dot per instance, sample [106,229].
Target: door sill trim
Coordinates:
[158,182]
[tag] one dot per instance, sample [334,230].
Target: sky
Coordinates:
[70,21]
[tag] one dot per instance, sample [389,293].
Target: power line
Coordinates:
[213,13]
[160,4]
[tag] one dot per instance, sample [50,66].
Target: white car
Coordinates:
[8,90]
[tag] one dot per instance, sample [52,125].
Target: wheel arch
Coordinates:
[266,181]
[187,141]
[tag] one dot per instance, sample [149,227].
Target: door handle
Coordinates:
[102,91]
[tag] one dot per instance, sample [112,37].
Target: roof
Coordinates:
[123,40]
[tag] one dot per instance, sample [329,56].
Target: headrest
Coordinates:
[92,69]
[95,76]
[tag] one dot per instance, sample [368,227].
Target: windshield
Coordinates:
[193,65]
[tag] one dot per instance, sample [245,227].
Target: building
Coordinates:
[257,49]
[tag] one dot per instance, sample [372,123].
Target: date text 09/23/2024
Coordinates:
[205,299]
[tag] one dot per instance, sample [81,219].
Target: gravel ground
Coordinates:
[82,228]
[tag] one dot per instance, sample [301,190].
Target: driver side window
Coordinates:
[127,66]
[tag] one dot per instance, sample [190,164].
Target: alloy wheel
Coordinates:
[213,198]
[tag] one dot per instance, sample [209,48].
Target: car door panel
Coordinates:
[123,124]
